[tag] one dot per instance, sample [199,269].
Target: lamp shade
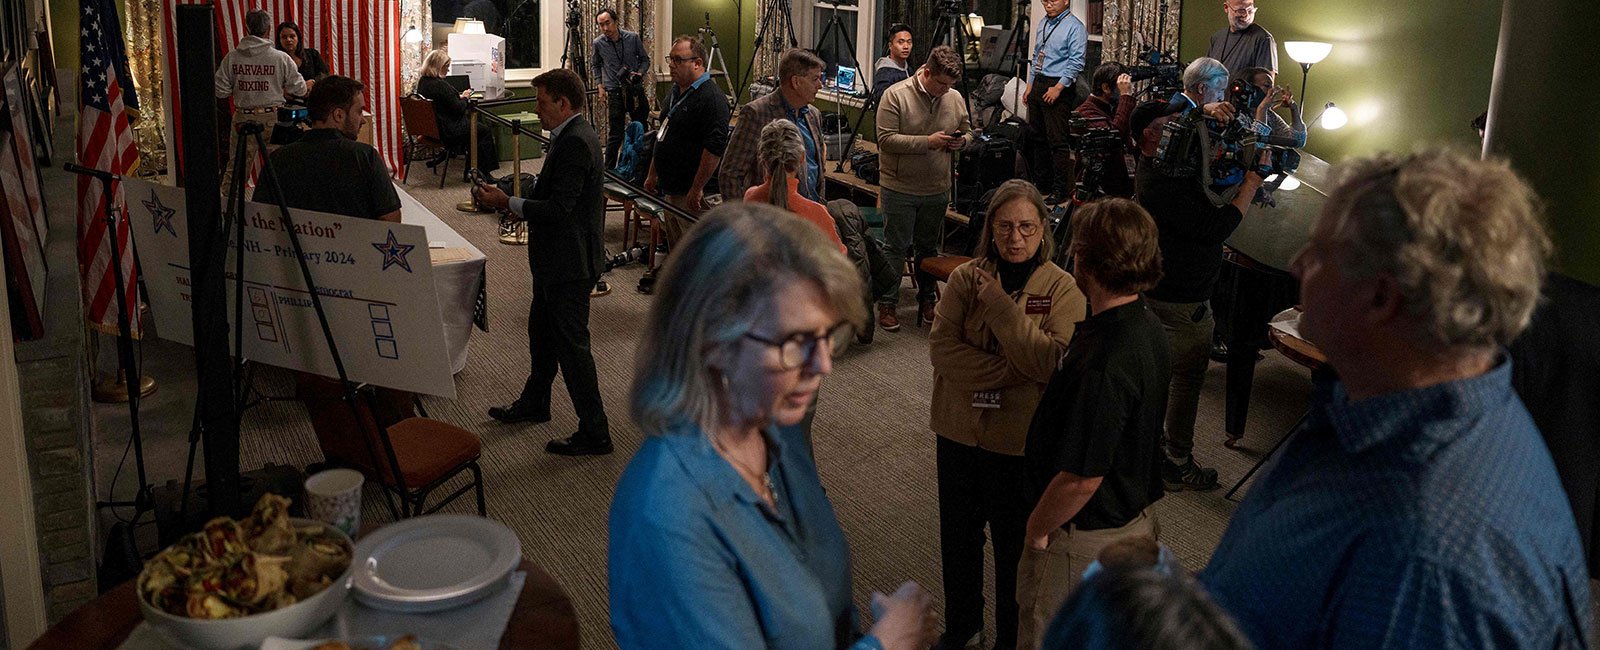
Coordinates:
[974,24]
[1333,117]
[468,26]
[1307,52]
[1290,183]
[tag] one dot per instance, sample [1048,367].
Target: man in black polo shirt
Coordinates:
[1094,447]
[327,170]
[693,134]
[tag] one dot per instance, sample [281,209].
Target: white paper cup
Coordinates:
[333,497]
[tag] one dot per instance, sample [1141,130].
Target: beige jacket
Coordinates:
[906,116]
[1005,346]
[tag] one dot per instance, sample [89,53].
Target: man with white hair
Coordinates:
[1193,226]
[1417,507]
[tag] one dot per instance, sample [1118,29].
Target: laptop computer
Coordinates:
[845,80]
[459,81]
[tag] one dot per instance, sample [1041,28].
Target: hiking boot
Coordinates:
[1188,476]
[887,319]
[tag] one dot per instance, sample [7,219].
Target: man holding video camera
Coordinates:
[1110,108]
[620,64]
[1192,228]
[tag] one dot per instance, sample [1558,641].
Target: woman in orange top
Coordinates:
[781,155]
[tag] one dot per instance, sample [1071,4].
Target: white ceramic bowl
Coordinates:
[294,621]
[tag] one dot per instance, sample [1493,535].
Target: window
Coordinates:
[840,42]
[518,21]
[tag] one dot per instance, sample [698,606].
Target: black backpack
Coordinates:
[865,165]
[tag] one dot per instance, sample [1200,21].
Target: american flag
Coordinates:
[359,39]
[105,142]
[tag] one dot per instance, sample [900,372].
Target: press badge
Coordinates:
[1037,305]
[986,399]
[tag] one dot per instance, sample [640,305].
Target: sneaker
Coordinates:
[925,311]
[1188,476]
[887,320]
[600,289]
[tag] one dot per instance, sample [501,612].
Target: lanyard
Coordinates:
[1053,24]
[679,101]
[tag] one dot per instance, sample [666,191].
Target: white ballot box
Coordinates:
[482,57]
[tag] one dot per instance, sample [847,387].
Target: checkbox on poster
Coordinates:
[378,312]
[383,329]
[388,349]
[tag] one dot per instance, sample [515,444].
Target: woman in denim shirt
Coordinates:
[721,534]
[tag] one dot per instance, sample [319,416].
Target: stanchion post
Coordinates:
[516,158]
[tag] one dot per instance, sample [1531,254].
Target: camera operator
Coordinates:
[620,64]
[1060,41]
[1272,98]
[1243,43]
[1111,107]
[1192,228]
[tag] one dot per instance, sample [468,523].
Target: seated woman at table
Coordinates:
[450,109]
[999,328]
[309,61]
[721,534]
[781,154]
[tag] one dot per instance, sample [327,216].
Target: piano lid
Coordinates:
[1272,236]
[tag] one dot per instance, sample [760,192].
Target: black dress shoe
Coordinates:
[519,412]
[579,445]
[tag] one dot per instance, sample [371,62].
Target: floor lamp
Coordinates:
[1307,54]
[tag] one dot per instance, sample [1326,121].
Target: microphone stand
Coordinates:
[143,500]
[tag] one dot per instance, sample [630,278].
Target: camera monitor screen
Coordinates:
[845,81]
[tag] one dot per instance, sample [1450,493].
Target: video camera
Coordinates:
[1163,68]
[293,118]
[1236,146]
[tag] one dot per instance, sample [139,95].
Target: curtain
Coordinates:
[1134,26]
[143,33]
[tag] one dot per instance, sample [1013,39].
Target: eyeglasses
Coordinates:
[799,350]
[675,59]
[1028,229]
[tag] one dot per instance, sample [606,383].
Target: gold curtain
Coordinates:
[143,35]
[1133,26]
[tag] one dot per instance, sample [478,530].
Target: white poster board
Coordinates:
[375,279]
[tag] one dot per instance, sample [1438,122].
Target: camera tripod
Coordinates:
[716,60]
[951,30]
[779,15]
[572,52]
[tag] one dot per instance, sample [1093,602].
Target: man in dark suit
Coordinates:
[565,213]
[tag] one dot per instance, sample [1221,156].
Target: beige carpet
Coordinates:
[872,443]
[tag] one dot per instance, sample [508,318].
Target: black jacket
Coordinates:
[566,211]
[448,106]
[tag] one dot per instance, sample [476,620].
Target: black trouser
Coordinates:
[978,487]
[616,124]
[488,150]
[1051,165]
[558,337]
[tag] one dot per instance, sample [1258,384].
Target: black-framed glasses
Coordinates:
[1027,228]
[800,349]
[680,59]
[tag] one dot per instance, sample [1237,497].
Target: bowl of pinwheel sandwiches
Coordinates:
[237,582]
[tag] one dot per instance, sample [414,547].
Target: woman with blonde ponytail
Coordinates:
[781,154]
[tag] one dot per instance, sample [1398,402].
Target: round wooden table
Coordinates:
[543,618]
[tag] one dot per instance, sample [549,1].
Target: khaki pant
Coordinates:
[267,118]
[1045,578]
[676,226]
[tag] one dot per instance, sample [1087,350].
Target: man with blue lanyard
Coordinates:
[1058,46]
[799,79]
[692,137]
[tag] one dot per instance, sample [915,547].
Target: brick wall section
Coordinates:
[56,416]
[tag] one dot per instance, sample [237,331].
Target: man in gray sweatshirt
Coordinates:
[257,76]
[894,66]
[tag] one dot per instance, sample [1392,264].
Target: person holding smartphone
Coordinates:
[921,123]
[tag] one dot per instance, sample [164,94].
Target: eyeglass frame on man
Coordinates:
[808,342]
[674,59]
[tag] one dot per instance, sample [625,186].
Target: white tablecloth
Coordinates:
[459,281]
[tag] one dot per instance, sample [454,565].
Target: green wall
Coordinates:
[734,22]
[1407,73]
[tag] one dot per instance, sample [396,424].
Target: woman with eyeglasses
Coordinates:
[720,533]
[1003,321]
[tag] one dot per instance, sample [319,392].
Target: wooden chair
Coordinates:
[940,267]
[422,134]
[407,455]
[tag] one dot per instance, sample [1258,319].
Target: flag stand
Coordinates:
[143,501]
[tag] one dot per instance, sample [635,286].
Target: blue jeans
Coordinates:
[910,221]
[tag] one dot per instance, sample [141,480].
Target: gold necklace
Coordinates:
[745,471]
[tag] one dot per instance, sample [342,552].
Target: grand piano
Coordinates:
[1256,284]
